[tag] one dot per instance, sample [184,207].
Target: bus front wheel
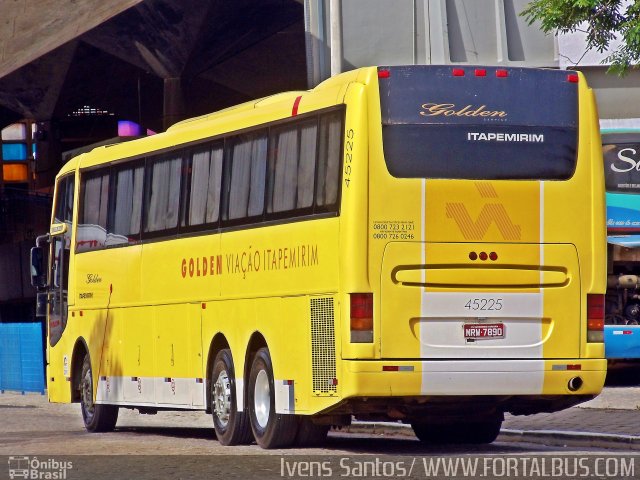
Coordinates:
[270,429]
[97,418]
[231,426]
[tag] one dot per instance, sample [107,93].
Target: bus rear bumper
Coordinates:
[440,389]
[391,378]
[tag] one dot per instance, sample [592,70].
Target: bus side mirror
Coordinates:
[38,277]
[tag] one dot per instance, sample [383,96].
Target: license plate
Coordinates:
[483,331]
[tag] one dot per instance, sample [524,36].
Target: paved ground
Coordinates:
[182,444]
[616,411]
[30,425]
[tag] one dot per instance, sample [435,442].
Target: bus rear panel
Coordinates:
[486,244]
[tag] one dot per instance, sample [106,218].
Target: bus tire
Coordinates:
[97,417]
[231,426]
[310,434]
[471,432]
[270,429]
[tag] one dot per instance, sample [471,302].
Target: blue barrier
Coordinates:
[622,341]
[21,361]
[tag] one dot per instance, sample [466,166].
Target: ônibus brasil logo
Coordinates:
[34,468]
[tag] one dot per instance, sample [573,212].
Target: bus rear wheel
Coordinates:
[97,417]
[231,426]
[459,432]
[270,429]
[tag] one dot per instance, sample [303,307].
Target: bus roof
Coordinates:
[241,116]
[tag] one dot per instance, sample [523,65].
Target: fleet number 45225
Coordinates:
[484,304]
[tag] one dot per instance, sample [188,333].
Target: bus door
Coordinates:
[60,257]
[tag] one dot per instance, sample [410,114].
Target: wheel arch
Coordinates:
[218,342]
[80,349]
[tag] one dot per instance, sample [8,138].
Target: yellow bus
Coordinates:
[422,243]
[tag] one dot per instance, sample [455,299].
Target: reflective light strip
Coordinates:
[397,368]
[567,367]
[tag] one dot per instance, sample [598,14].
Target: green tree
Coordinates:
[601,20]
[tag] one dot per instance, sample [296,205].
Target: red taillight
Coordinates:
[361,317]
[573,78]
[483,256]
[457,72]
[384,73]
[502,73]
[473,256]
[480,72]
[595,318]
[493,256]
[362,305]
[595,307]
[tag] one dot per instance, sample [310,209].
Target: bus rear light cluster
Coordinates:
[595,318]
[484,256]
[479,72]
[573,78]
[361,317]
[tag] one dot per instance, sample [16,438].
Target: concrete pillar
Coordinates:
[174,106]
[335,29]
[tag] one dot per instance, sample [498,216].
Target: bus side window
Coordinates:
[247,172]
[201,193]
[328,180]
[125,205]
[292,167]
[162,193]
[92,223]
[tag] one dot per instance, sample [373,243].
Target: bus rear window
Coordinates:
[499,124]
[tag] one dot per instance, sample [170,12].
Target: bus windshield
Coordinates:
[438,122]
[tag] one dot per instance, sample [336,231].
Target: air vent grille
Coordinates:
[323,346]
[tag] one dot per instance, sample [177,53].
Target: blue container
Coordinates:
[21,359]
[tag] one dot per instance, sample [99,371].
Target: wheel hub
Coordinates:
[222,398]
[262,399]
[87,393]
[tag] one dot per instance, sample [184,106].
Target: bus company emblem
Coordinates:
[94,278]
[490,213]
[452,110]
